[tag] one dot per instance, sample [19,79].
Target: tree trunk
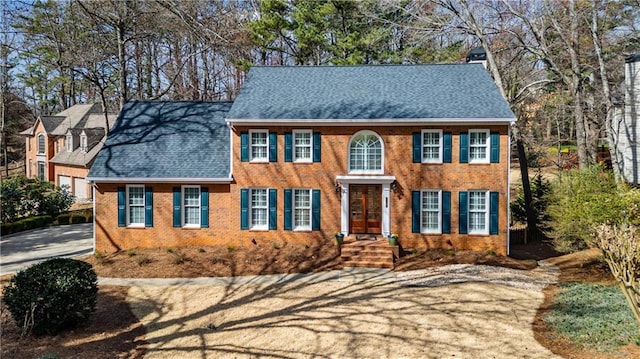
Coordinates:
[122,62]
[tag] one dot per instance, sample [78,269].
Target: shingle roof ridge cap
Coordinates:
[366,65]
[178,101]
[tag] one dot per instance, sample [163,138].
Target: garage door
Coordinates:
[64,181]
[80,185]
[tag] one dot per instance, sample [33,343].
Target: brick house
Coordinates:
[61,148]
[421,151]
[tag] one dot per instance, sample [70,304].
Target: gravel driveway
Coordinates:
[455,311]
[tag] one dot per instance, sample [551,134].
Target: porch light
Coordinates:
[394,186]
[338,186]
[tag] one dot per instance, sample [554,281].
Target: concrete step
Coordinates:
[368,264]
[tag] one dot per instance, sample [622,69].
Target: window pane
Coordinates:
[259,145]
[430,211]
[136,205]
[477,211]
[302,145]
[302,208]
[259,213]
[366,153]
[136,215]
[191,203]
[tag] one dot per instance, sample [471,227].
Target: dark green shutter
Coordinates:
[446,212]
[315,210]
[244,208]
[464,147]
[122,207]
[273,208]
[288,147]
[177,206]
[288,204]
[446,147]
[495,147]
[244,146]
[417,147]
[273,147]
[493,212]
[204,207]
[317,147]
[148,207]
[463,210]
[415,211]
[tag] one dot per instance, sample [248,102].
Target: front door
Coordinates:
[365,202]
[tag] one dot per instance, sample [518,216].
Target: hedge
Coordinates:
[26,224]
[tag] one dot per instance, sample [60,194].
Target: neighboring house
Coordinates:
[61,148]
[627,123]
[421,151]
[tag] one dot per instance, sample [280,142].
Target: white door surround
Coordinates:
[345,181]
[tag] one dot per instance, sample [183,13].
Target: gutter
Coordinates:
[369,121]
[223,180]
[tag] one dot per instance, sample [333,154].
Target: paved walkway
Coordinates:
[20,250]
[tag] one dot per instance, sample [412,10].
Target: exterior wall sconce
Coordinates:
[394,186]
[338,186]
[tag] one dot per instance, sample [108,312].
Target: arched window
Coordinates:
[366,153]
[41,144]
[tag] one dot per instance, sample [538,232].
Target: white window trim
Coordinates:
[487,147]
[44,145]
[69,143]
[439,229]
[485,231]
[293,146]
[260,159]
[293,209]
[437,160]
[144,214]
[355,135]
[252,226]
[183,207]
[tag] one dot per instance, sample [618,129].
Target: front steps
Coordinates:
[369,252]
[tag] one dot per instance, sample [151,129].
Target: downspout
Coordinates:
[93,200]
[509,190]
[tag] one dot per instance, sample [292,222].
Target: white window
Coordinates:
[431,211]
[302,145]
[302,209]
[191,206]
[366,153]
[478,146]
[432,146]
[83,143]
[478,212]
[42,171]
[259,208]
[41,144]
[135,205]
[259,145]
[69,143]
[30,168]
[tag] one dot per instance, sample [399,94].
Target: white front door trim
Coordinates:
[345,181]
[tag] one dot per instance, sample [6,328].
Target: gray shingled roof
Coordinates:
[95,140]
[400,92]
[166,140]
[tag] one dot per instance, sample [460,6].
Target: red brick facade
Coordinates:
[224,201]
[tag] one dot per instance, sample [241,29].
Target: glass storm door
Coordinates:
[365,203]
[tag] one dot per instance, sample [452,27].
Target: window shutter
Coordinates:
[204,207]
[317,147]
[446,147]
[288,147]
[415,211]
[244,146]
[177,206]
[446,212]
[464,147]
[273,208]
[148,207]
[244,208]
[288,203]
[315,210]
[417,147]
[495,147]
[463,213]
[493,212]
[122,208]
[273,147]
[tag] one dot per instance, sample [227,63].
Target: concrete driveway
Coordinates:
[446,312]
[20,250]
